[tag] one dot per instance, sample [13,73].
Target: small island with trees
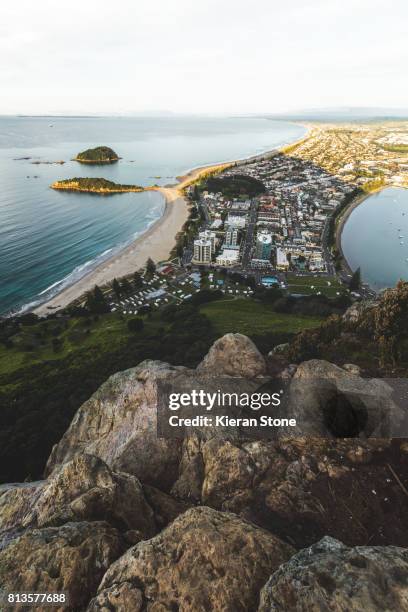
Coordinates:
[94,185]
[98,155]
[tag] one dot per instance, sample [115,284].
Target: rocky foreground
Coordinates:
[127,521]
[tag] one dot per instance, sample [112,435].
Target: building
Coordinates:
[209,235]
[263,246]
[202,251]
[282,262]
[238,221]
[217,224]
[231,237]
[228,257]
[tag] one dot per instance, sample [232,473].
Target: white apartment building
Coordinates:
[231,236]
[228,257]
[209,235]
[282,262]
[237,221]
[202,251]
[263,246]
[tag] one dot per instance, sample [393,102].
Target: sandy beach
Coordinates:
[156,242]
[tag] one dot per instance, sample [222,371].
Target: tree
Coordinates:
[355,281]
[96,301]
[126,286]
[135,325]
[150,267]
[137,280]
[390,318]
[57,344]
[196,193]
[116,288]
[203,279]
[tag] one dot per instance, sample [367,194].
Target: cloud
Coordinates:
[212,56]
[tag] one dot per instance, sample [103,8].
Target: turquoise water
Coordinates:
[375,238]
[49,239]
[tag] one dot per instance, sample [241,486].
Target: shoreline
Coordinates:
[156,242]
[343,220]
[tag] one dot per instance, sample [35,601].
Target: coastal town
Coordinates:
[266,221]
[280,229]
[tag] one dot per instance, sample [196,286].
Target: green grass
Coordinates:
[304,284]
[33,344]
[249,317]
[397,148]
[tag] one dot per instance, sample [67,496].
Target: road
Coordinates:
[249,237]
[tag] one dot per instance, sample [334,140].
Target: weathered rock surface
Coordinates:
[279,349]
[16,502]
[234,355]
[112,466]
[331,576]
[119,425]
[328,400]
[165,507]
[352,368]
[70,558]
[84,489]
[205,560]
[119,422]
[301,488]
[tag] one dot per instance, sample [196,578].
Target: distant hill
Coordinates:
[98,155]
[341,114]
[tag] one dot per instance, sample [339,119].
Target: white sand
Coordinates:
[156,242]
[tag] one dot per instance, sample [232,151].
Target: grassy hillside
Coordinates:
[311,285]
[253,318]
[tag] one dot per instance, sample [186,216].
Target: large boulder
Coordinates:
[119,425]
[71,558]
[205,560]
[234,355]
[331,576]
[83,489]
[327,400]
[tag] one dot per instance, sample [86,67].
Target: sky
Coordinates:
[215,56]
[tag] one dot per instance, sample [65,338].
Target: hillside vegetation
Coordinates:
[235,186]
[374,337]
[98,155]
[94,185]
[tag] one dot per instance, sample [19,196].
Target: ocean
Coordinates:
[375,238]
[49,239]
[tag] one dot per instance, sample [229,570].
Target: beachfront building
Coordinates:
[263,246]
[209,235]
[282,262]
[228,257]
[232,237]
[217,224]
[202,251]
